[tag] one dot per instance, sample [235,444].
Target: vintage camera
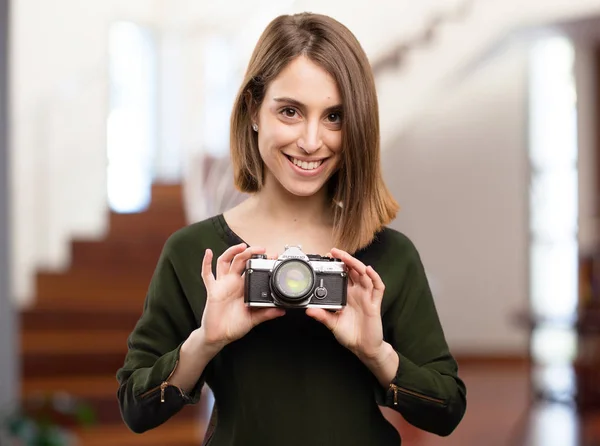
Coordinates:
[295,280]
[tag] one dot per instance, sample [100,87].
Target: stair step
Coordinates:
[55,365]
[101,284]
[66,342]
[173,432]
[75,338]
[166,194]
[84,387]
[72,318]
[118,301]
[133,255]
[151,224]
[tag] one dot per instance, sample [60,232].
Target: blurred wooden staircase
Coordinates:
[74,339]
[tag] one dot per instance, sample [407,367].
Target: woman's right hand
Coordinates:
[226,317]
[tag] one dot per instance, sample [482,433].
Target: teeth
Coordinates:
[306,166]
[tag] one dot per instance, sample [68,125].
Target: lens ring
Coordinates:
[293,280]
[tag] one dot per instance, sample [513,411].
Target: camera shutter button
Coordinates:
[321,292]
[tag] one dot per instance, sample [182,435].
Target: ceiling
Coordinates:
[375,27]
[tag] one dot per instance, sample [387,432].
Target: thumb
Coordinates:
[327,318]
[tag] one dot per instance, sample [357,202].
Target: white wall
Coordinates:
[59,108]
[460,174]
[457,44]
[59,99]
[60,102]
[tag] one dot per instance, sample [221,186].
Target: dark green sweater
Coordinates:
[288,381]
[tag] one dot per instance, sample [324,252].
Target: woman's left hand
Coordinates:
[358,326]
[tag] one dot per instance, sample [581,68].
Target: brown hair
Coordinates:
[366,204]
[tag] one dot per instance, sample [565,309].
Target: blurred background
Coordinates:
[114,123]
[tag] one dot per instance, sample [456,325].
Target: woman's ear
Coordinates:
[252,107]
[255,121]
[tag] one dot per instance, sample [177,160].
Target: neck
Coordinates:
[280,206]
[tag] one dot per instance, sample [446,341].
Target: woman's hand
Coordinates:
[358,326]
[226,317]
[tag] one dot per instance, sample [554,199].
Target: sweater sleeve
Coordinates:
[426,389]
[146,399]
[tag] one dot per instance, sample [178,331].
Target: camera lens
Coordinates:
[293,279]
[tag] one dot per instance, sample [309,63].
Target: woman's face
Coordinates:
[299,128]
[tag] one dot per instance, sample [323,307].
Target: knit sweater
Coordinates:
[288,381]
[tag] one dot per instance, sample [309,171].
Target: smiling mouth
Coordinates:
[304,165]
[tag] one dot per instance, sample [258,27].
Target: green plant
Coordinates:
[46,420]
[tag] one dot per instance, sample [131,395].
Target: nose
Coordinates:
[310,140]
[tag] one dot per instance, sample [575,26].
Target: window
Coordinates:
[131,124]
[553,210]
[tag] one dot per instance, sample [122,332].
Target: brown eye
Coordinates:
[289,112]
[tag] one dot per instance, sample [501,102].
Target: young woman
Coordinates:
[305,145]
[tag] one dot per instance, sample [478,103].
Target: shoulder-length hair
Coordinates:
[362,204]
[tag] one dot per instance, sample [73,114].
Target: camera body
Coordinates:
[295,280]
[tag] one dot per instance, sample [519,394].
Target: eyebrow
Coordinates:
[337,107]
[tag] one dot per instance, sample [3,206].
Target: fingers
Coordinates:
[207,275]
[354,277]
[378,285]
[351,262]
[356,269]
[234,259]
[364,276]
[239,261]
[224,261]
